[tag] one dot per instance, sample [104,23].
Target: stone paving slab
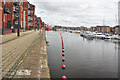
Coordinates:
[36,61]
[12,51]
[12,36]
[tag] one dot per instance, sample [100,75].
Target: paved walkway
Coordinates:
[13,49]
[35,64]
[12,36]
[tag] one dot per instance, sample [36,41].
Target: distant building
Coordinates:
[103,29]
[37,22]
[83,28]
[58,27]
[115,29]
[93,29]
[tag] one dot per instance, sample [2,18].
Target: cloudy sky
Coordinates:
[74,13]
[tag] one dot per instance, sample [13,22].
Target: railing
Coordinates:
[16,22]
[16,15]
[7,10]
[29,14]
[16,2]
[29,20]
[29,8]
[14,10]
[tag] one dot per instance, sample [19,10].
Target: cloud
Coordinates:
[77,12]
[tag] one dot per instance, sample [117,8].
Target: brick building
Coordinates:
[7,17]
[83,28]
[1,16]
[93,29]
[29,15]
[38,22]
[13,15]
[17,16]
[115,29]
[103,29]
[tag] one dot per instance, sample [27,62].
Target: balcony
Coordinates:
[16,3]
[14,11]
[16,15]
[16,22]
[16,8]
[29,14]
[29,8]
[29,20]
[7,10]
[14,19]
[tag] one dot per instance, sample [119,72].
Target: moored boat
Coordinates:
[100,35]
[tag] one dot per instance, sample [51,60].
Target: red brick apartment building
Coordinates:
[12,13]
[115,29]
[29,15]
[12,16]
[1,11]
[37,22]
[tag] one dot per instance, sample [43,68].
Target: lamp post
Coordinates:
[3,17]
[18,30]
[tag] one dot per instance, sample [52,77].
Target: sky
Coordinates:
[76,13]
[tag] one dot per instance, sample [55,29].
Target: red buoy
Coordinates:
[64,77]
[63,59]
[63,66]
[63,54]
[62,50]
[62,47]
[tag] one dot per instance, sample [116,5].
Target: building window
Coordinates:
[31,18]
[21,24]
[13,16]
[32,12]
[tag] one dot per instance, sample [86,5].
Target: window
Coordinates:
[21,24]
[32,12]
[31,18]
[13,16]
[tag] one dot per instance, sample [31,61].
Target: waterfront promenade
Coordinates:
[14,47]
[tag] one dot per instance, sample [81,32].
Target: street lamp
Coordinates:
[3,16]
[18,30]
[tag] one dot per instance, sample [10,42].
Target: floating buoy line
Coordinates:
[63,59]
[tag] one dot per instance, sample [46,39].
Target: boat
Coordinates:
[94,34]
[70,31]
[88,34]
[73,31]
[82,33]
[114,36]
[107,36]
[100,35]
[78,32]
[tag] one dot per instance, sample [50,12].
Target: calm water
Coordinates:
[84,58]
